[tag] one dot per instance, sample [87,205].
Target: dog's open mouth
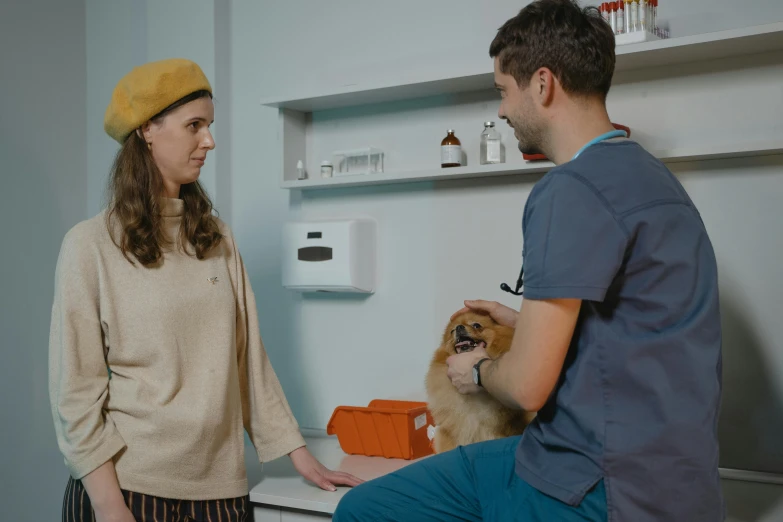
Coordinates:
[467,344]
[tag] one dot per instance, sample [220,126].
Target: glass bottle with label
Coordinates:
[450,151]
[490,148]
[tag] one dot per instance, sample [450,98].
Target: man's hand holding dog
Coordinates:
[461,370]
[500,313]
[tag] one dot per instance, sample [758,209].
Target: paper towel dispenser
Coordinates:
[330,256]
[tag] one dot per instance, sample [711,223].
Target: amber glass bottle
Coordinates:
[450,151]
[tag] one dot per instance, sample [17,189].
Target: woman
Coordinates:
[156,362]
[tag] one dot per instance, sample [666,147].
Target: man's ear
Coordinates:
[543,86]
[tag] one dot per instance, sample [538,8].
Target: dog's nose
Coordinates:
[461,330]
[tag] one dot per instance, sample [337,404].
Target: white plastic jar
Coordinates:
[326,169]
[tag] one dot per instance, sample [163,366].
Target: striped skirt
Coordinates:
[146,508]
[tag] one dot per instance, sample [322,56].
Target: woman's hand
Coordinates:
[309,467]
[105,495]
[500,313]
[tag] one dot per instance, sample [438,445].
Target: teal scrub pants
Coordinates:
[475,482]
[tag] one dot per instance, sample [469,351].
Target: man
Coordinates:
[617,344]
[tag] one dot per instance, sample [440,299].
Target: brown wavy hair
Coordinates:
[136,193]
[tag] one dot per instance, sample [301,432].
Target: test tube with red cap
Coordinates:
[613,16]
[604,9]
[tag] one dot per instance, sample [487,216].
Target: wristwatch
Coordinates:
[477,372]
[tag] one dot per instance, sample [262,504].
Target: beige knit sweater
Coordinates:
[160,369]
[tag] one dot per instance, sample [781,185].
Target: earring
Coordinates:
[149,146]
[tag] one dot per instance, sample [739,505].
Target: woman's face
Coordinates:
[180,141]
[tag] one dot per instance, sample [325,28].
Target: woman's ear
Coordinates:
[144,133]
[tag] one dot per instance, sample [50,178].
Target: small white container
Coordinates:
[326,169]
[368,160]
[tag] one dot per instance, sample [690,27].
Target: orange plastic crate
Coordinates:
[385,428]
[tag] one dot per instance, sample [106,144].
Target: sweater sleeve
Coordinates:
[267,416]
[78,374]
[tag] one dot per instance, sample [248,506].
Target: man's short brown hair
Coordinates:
[576,44]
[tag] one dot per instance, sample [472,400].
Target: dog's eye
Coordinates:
[477,326]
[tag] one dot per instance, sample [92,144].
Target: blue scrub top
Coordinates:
[638,400]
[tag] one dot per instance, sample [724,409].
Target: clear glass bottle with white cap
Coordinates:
[490,150]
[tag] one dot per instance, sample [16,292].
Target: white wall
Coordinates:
[44,191]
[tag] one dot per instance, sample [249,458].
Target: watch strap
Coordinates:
[477,366]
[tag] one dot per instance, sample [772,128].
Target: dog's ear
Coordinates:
[503,337]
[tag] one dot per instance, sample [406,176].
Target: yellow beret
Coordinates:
[147,90]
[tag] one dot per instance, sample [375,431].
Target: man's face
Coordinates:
[519,110]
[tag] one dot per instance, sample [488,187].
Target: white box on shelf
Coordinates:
[330,256]
[368,160]
[635,37]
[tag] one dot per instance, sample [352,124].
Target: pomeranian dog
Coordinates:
[465,419]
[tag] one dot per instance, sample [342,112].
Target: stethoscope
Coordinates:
[602,137]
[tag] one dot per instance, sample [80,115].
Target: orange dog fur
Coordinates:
[465,419]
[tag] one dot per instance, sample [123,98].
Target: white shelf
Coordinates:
[679,155]
[716,152]
[419,175]
[702,47]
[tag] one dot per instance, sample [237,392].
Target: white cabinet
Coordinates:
[301,516]
[266,514]
[275,514]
